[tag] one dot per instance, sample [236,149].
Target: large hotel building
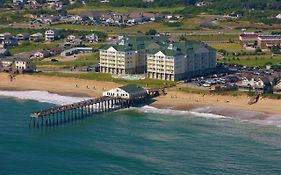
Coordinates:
[158,57]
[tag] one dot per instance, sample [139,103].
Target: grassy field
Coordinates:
[254,61]
[125,9]
[107,77]
[62,65]
[212,37]
[30,46]
[93,57]
[226,46]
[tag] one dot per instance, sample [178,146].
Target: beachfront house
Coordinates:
[257,83]
[18,65]
[130,91]
[23,65]
[277,87]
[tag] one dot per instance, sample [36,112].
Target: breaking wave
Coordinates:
[43,96]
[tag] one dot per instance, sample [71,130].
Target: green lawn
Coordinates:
[89,57]
[226,46]
[64,64]
[30,46]
[107,77]
[125,9]
[254,61]
[213,37]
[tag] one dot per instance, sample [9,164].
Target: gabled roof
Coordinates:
[132,88]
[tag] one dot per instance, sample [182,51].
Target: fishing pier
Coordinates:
[60,115]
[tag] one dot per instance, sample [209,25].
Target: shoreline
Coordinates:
[174,100]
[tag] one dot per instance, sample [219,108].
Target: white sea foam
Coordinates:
[271,120]
[43,96]
[207,112]
[150,109]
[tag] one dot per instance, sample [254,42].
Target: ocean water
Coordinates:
[136,141]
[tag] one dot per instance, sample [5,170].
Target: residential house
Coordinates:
[22,36]
[6,35]
[92,38]
[56,50]
[8,42]
[47,19]
[248,39]
[32,4]
[18,4]
[73,40]
[138,17]
[130,91]
[55,4]
[41,54]
[3,52]
[277,87]
[51,35]
[2,45]
[24,65]
[36,37]
[201,3]
[18,65]
[72,1]
[6,64]
[104,1]
[76,50]
[265,42]
[257,83]
[93,15]
[79,18]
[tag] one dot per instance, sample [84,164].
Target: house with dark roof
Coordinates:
[248,38]
[130,91]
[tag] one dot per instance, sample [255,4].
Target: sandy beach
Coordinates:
[173,100]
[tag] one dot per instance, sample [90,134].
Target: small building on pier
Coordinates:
[130,91]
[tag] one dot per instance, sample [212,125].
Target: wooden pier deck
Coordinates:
[67,113]
[60,115]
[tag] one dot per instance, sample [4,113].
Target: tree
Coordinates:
[275,50]
[258,50]
[151,32]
